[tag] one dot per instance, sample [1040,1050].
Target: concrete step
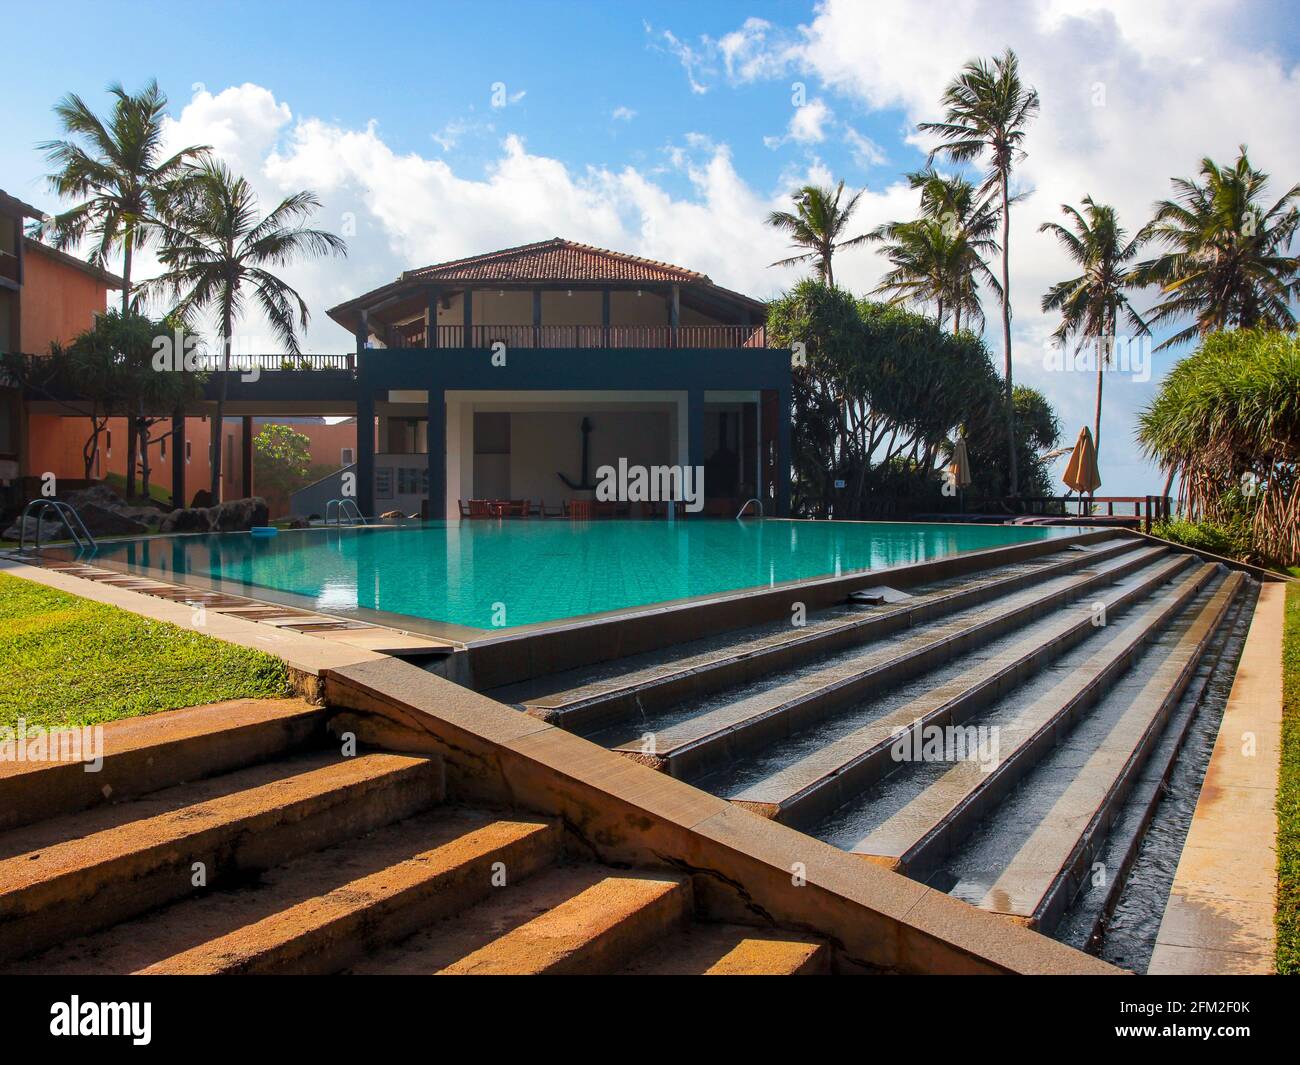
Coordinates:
[327,910]
[733,950]
[799,788]
[1038,883]
[82,872]
[704,738]
[593,698]
[1093,906]
[917,836]
[144,754]
[574,919]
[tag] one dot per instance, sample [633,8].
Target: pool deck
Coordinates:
[1219,918]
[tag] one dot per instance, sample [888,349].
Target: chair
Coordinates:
[480,508]
[579,509]
[464,510]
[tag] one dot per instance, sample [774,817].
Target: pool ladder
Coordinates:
[743,506]
[344,510]
[77,531]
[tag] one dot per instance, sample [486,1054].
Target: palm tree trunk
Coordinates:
[218,422]
[956,319]
[130,455]
[126,272]
[1012,472]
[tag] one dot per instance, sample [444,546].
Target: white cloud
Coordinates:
[866,152]
[623,114]
[694,62]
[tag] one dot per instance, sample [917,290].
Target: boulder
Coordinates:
[50,530]
[202,500]
[186,520]
[235,515]
[239,515]
[104,521]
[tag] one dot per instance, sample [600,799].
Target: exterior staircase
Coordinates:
[1071,676]
[242,838]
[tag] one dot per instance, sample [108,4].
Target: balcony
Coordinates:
[413,335]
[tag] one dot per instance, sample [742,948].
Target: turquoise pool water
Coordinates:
[491,575]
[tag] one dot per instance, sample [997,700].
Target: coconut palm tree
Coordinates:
[217,251]
[816,224]
[116,170]
[1092,304]
[986,110]
[941,255]
[1226,263]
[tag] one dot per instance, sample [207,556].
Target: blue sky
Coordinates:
[670,129]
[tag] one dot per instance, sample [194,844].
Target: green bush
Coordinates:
[1231,541]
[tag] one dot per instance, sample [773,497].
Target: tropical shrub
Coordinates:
[1227,421]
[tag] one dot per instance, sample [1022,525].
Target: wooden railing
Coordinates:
[413,335]
[1147,509]
[276,363]
[8,266]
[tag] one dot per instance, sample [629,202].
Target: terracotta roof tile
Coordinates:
[554,260]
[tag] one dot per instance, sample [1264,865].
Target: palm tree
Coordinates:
[117,173]
[116,170]
[987,108]
[217,250]
[1092,303]
[816,225]
[938,256]
[1226,263]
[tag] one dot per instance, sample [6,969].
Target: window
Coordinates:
[188,451]
[162,448]
[108,442]
[409,482]
[346,456]
[384,482]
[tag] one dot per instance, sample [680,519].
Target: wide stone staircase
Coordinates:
[245,838]
[1002,736]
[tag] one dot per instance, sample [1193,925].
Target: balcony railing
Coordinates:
[581,336]
[9,266]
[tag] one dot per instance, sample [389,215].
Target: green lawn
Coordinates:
[1288,796]
[67,661]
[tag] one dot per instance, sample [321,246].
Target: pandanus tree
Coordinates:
[940,257]
[218,254]
[817,225]
[1093,304]
[987,110]
[1225,262]
[116,171]
[1227,420]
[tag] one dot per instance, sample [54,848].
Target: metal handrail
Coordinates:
[63,510]
[355,517]
[741,512]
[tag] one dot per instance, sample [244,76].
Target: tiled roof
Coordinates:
[554,260]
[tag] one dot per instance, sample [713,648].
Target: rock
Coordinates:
[202,500]
[297,523]
[102,521]
[186,520]
[235,515]
[50,530]
[239,515]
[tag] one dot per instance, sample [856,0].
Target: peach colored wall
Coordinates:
[54,445]
[58,301]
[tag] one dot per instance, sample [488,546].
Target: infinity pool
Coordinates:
[492,575]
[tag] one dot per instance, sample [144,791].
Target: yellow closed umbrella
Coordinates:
[1081,474]
[959,467]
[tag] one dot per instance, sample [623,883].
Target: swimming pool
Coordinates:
[494,575]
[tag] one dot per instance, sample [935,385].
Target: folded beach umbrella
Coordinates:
[959,467]
[1081,474]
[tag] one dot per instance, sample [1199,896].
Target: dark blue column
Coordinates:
[437,444]
[783,452]
[365,450]
[695,427]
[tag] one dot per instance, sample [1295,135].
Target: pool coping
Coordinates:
[485,658]
[1218,920]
